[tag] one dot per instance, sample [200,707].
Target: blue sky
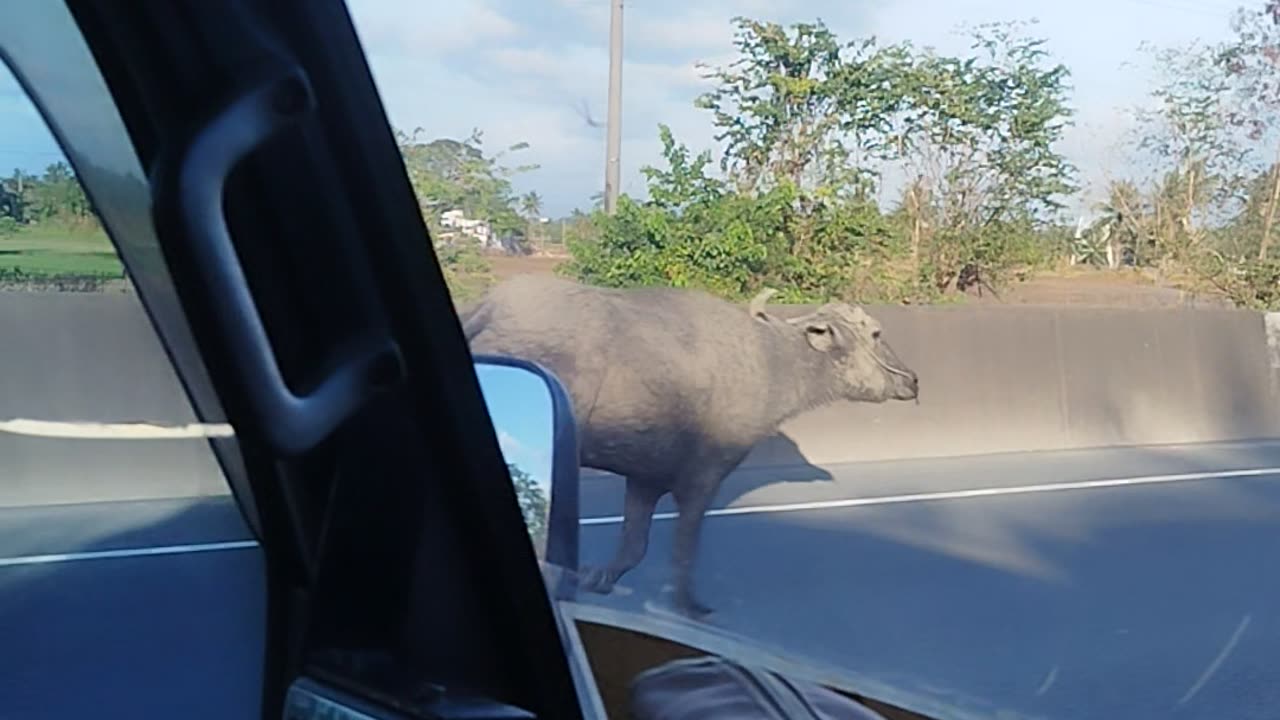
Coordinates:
[25,140]
[520,406]
[526,70]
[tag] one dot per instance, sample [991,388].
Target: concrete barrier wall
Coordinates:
[92,357]
[993,379]
[1006,378]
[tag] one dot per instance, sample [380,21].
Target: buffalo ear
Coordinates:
[820,334]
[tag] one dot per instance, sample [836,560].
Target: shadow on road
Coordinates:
[782,462]
[1035,602]
[1023,534]
[1096,583]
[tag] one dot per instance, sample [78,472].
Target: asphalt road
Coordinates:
[1090,584]
[145,609]
[1133,583]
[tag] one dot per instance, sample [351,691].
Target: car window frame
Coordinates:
[151,60]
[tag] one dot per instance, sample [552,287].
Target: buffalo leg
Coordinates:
[693,501]
[637,517]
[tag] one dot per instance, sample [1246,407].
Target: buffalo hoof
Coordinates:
[691,608]
[597,580]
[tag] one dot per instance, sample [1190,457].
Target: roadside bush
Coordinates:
[15,279]
[466,271]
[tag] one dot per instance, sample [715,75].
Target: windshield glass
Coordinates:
[927,341]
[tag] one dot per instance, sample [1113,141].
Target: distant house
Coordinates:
[456,223]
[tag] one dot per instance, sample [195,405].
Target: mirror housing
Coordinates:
[533,419]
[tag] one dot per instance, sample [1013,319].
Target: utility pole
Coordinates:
[613,150]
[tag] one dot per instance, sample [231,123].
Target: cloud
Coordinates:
[509,444]
[430,28]
[525,72]
[681,27]
[569,77]
[533,460]
[693,30]
[700,30]
[513,448]
[528,91]
[522,71]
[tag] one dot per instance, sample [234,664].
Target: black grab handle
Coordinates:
[290,423]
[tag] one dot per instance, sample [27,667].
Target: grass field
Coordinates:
[58,250]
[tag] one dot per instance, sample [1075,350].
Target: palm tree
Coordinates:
[531,207]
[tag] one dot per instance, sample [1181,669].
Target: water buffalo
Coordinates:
[673,387]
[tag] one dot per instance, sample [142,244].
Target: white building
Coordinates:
[458,223]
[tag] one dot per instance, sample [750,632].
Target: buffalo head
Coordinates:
[866,369]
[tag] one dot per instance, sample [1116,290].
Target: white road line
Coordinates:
[1217,661]
[749,510]
[1048,681]
[959,494]
[127,553]
[113,431]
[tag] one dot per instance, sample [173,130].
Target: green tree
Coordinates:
[450,174]
[1126,224]
[1250,62]
[54,196]
[978,137]
[1212,141]
[59,195]
[808,125]
[692,232]
[534,504]
[1195,156]
[531,208]
[802,108]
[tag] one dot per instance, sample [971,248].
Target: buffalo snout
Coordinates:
[912,387]
[903,382]
[908,387]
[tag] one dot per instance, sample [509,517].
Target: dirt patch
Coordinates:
[504,266]
[1097,288]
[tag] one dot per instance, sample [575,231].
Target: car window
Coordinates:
[935,342]
[92,409]
[127,536]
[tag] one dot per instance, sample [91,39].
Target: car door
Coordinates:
[364,552]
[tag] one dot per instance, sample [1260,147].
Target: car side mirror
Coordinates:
[533,419]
